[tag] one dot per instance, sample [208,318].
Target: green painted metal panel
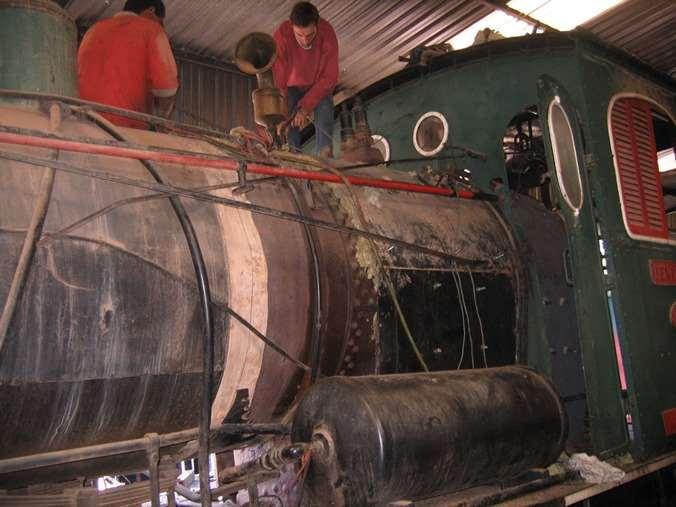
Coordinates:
[479,98]
[38,47]
[647,339]
[604,397]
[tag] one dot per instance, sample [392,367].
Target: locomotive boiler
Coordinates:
[175,290]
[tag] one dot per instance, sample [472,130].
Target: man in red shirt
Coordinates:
[306,70]
[126,61]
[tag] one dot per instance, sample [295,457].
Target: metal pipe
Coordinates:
[253,208]
[27,252]
[346,127]
[272,460]
[125,113]
[362,131]
[520,489]
[135,445]
[153,454]
[165,156]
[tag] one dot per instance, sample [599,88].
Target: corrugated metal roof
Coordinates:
[213,97]
[373,34]
[644,28]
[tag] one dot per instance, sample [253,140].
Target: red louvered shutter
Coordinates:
[636,163]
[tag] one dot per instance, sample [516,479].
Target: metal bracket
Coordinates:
[244,185]
[568,267]
[252,489]
[153,453]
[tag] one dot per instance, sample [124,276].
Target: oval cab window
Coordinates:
[430,133]
[565,156]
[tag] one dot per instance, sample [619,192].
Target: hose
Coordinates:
[316,343]
[205,301]
[169,190]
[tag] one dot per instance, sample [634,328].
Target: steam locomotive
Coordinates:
[484,280]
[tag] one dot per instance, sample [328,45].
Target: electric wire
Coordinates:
[383,271]
[390,286]
[478,316]
[124,202]
[170,190]
[462,318]
[469,324]
[363,223]
[85,105]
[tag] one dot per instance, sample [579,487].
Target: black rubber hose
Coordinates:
[170,190]
[205,300]
[316,343]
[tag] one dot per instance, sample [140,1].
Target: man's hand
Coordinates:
[300,119]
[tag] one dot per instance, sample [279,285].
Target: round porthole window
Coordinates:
[430,133]
[382,145]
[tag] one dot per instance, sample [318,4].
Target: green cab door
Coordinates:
[566,160]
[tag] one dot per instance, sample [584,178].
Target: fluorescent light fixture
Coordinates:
[559,14]
[563,14]
[507,25]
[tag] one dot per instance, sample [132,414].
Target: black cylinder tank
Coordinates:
[417,435]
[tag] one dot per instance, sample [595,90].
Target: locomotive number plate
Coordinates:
[662,272]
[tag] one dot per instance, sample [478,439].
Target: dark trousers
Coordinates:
[323,121]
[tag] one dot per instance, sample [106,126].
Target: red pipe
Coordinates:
[229,164]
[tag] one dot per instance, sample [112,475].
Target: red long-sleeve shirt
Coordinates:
[314,69]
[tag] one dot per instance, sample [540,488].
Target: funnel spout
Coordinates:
[255,54]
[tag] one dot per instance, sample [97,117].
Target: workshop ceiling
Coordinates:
[373,34]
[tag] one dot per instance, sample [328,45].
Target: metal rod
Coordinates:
[252,489]
[517,14]
[27,252]
[254,208]
[135,445]
[95,106]
[201,160]
[272,460]
[465,152]
[153,453]
[267,340]
[520,489]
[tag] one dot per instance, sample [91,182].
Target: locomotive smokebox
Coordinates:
[410,436]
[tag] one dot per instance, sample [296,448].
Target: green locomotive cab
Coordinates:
[572,132]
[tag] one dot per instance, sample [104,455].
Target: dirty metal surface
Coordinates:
[546,247]
[416,435]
